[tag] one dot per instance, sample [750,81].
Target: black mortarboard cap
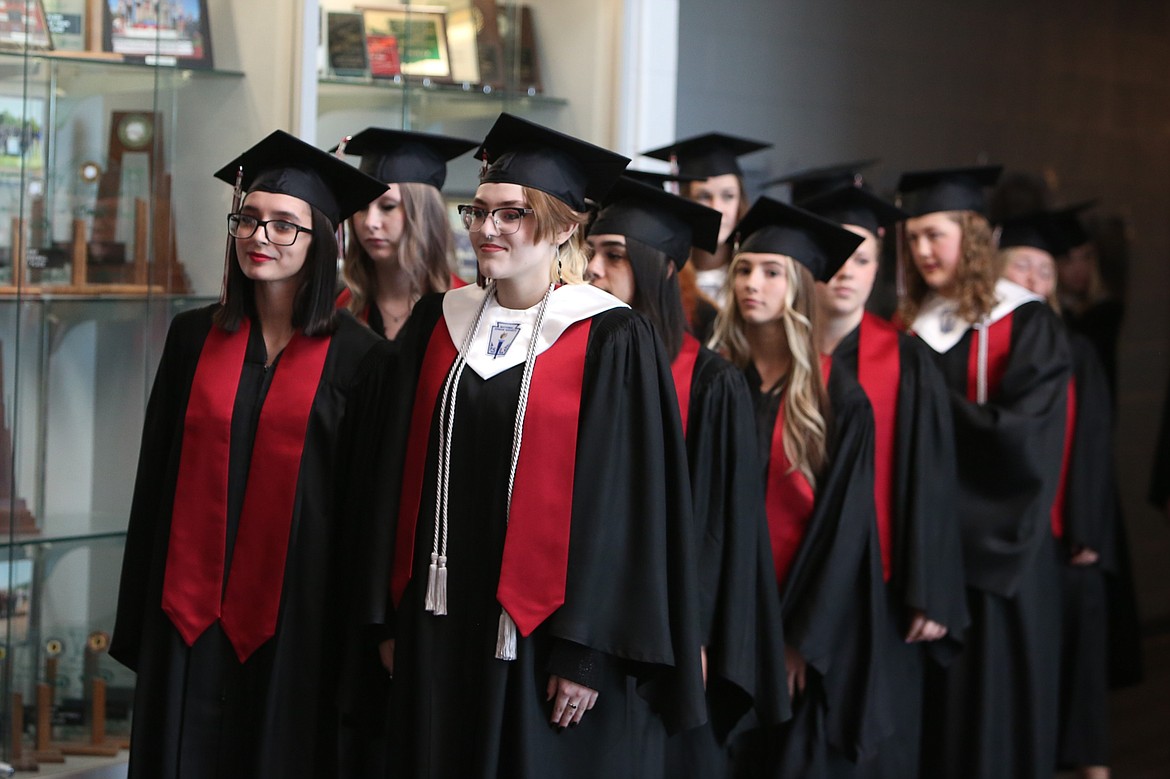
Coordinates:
[812,182]
[518,151]
[286,165]
[850,205]
[657,179]
[1037,230]
[663,221]
[1068,224]
[773,227]
[402,157]
[704,156]
[952,189]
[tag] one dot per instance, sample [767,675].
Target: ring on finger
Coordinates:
[572,705]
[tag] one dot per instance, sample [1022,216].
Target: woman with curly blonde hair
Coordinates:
[1004,356]
[402,245]
[815,432]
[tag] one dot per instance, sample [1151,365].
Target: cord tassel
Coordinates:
[441,588]
[506,638]
[432,582]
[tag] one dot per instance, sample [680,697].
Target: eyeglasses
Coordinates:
[278,231]
[506,220]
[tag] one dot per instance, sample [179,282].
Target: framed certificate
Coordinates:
[159,32]
[420,35]
[345,44]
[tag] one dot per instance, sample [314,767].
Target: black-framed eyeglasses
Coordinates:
[279,231]
[506,220]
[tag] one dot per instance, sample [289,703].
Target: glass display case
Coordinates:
[91,272]
[444,66]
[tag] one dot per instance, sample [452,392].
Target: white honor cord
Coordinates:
[436,595]
[981,379]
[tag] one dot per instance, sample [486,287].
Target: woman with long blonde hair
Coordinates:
[542,565]
[815,433]
[1004,356]
[401,245]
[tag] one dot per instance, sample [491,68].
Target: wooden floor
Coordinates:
[1140,719]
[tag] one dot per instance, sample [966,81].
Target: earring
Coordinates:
[560,276]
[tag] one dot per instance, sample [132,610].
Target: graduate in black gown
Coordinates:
[543,571]
[401,246]
[1083,516]
[815,433]
[232,600]
[1004,357]
[638,241]
[914,467]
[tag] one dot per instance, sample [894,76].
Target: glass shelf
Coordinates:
[88,60]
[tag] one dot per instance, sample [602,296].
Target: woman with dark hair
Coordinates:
[403,248]
[710,165]
[639,240]
[1004,357]
[542,565]
[232,607]
[914,466]
[815,436]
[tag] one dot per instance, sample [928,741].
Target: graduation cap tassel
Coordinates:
[506,638]
[237,197]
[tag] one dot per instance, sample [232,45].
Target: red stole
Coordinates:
[999,349]
[1069,433]
[788,497]
[879,371]
[536,548]
[683,371]
[194,595]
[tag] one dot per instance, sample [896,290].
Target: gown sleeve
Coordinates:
[1089,503]
[148,527]
[834,598]
[1010,451]
[739,603]
[630,589]
[928,574]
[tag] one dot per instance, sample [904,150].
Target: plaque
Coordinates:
[345,44]
[420,33]
[159,32]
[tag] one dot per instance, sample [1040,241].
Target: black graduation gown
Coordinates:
[992,712]
[199,712]
[739,605]
[833,603]
[926,564]
[629,618]
[1090,517]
